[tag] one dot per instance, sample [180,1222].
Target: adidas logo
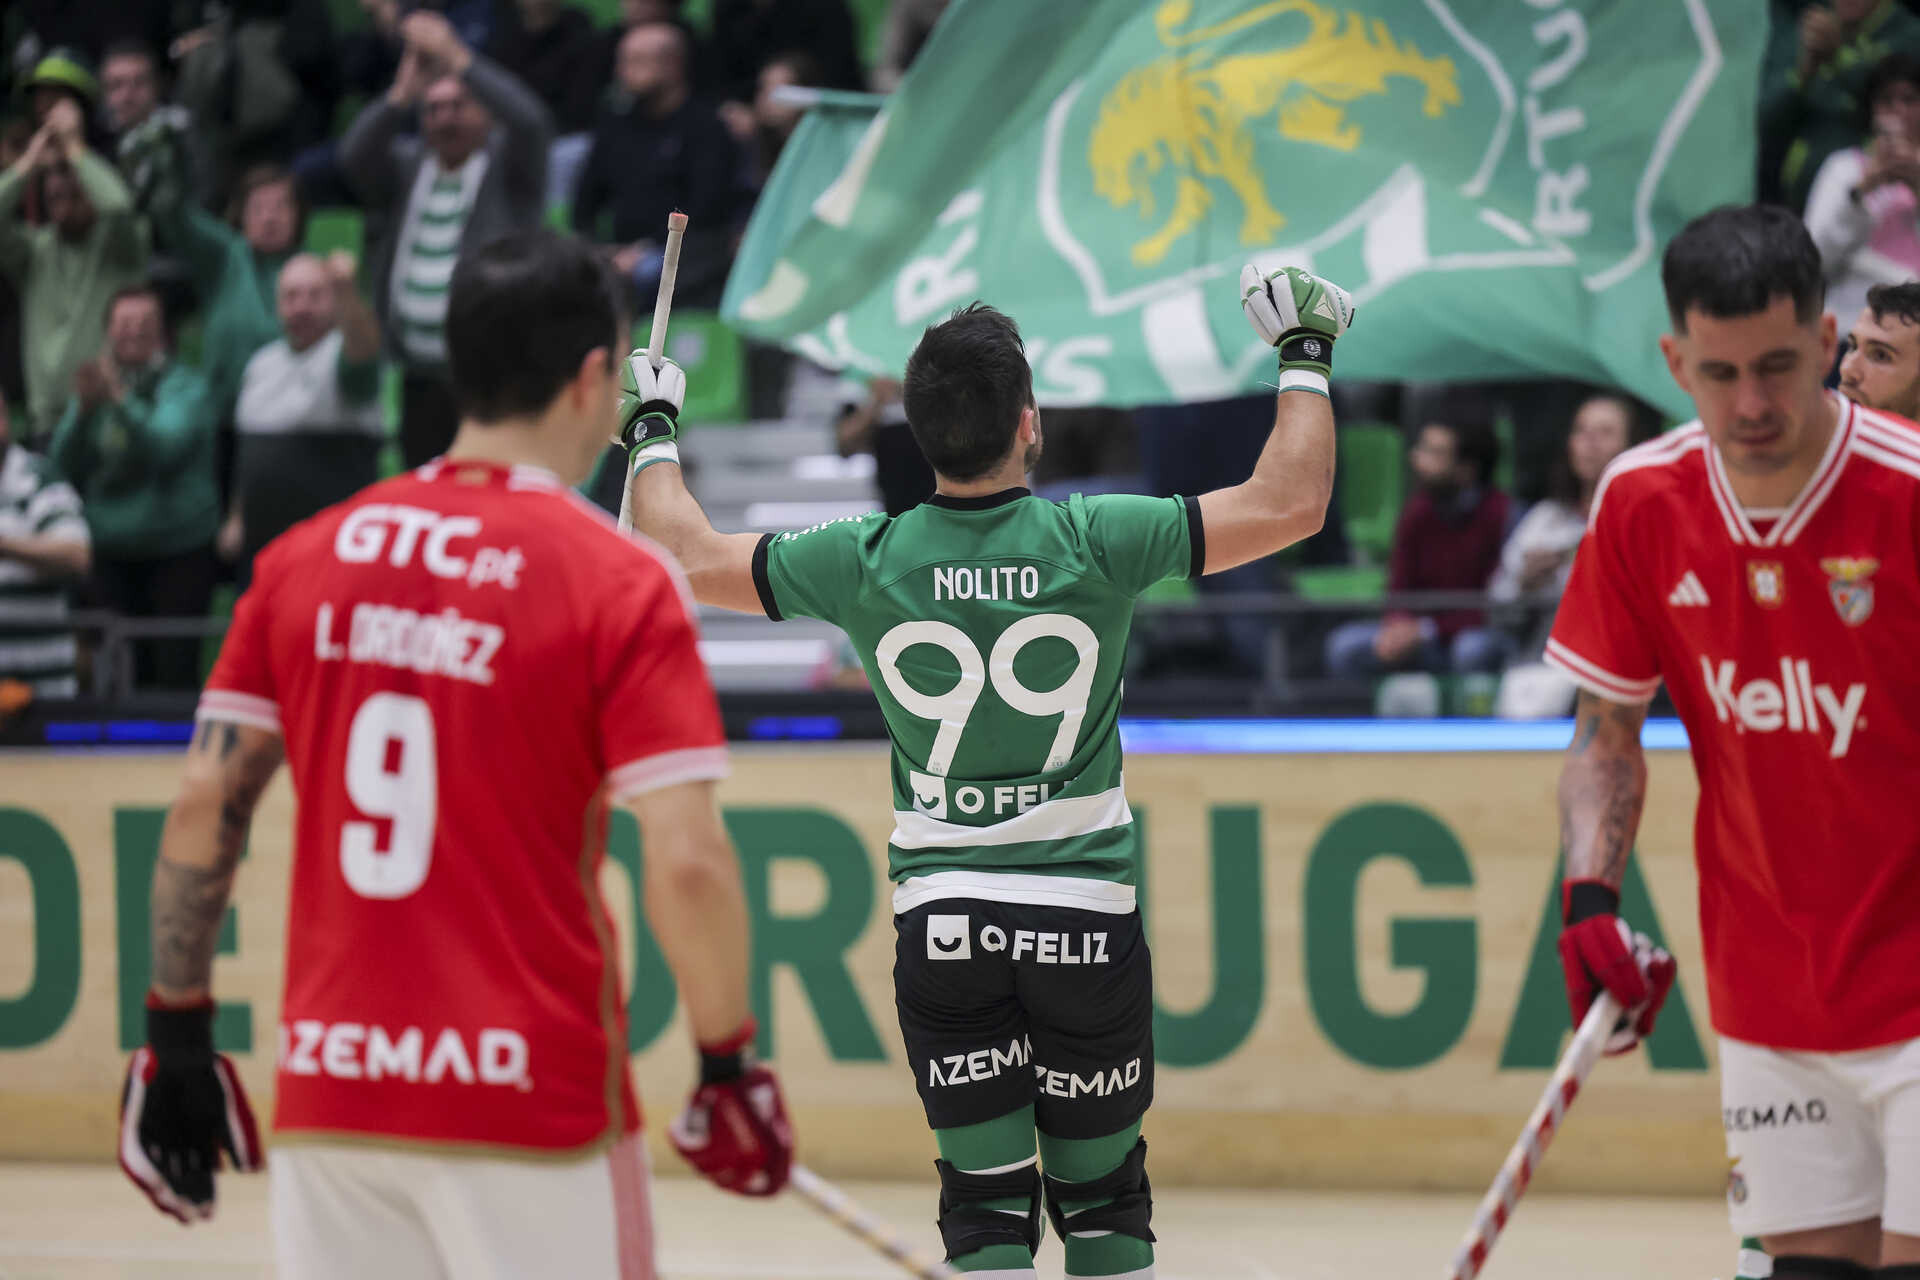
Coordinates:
[1688,593]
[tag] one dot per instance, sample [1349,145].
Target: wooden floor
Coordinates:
[85,1222]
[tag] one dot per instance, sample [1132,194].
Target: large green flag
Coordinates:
[1493,180]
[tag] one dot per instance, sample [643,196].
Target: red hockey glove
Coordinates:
[734,1129]
[181,1107]
[1599,953]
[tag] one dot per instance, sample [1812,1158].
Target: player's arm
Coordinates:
[696,905]
[1285,499]
[734,1129]
[183,1104]
[719,566]
[1603,787]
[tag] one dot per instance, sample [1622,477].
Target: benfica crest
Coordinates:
[1767,581]
[1850,586]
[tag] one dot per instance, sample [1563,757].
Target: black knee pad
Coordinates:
[1128,1214]
[966,1225]
[1795,1266]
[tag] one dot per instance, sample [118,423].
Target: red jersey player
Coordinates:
[463,667]
[1761,561]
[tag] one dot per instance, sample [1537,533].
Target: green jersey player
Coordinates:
[993,625]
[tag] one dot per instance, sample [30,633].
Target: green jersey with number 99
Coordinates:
[993,631]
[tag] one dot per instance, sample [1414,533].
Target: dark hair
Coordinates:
[257,178]
[1901,300]
[1475,444]
[966,385]
[1897,67]
[802,65]
[522,312]
[1562,485]
[131,49]
[141,289]
[1735,260]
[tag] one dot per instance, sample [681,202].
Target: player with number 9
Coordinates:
[452,1092]
[994,626]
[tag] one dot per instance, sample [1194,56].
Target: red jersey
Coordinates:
[468,664]
[1791,648]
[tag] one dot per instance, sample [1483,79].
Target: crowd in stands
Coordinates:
[181,378]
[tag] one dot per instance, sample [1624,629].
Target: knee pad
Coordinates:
[1795,1266]
[967,1225]
[1132,1199]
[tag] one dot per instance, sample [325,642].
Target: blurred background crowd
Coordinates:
[227,229]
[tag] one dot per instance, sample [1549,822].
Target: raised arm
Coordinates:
[719,566]
[1285,499]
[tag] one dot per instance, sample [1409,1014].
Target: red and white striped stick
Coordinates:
[1490,1219]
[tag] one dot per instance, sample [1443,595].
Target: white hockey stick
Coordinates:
[832,1202]
[657,338]
[1522,1162]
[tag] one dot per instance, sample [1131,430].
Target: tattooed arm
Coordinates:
[1602,788]
[228,766]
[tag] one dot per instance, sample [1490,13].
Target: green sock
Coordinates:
[1083,1160]
[993,1144]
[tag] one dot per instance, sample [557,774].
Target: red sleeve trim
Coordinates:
[239,708]
[650,773]
[1597,680]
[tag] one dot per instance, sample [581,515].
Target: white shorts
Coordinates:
[375,1213]
[1821,1139]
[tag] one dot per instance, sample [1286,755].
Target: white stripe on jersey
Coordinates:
[1597,679]
[1661,452]
[650,773]
[994,886]
[1050,820]
[240,708]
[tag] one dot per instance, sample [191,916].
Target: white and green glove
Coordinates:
[1301,314]
[649,411]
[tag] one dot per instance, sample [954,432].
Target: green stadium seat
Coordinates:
[715,362]
[1355,583]
[1373,483]
[221,606]
[330,229]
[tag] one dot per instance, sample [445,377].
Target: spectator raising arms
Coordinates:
[659,148]
[233,266]
[91,245]
[1880,364]
[1814,82]
[137,441]
[1862,210]
[1448,539]
[44,546]
[477,171]
[154,141]
[308,419]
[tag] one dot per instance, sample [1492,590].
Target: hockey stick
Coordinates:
[657,337]
[1521,1163]
[832,1202]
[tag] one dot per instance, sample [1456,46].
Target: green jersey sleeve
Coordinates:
[1138,541]
[814,572]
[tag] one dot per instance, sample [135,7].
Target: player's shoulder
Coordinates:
[1673,464]
[294,550]
[1889,441]
[845,529]
[589,544]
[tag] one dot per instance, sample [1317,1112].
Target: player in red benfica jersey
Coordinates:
[462,667]
[1761,562]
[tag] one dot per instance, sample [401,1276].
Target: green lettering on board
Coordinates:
[136,847]
[53,880]
[814,946]
[1444,949]
[1212,1032]
[653,995]
[1541,1018]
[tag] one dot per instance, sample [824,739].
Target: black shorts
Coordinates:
[1003,1004]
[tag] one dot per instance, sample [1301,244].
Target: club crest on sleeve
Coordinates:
[1767,582]
[1850,586]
